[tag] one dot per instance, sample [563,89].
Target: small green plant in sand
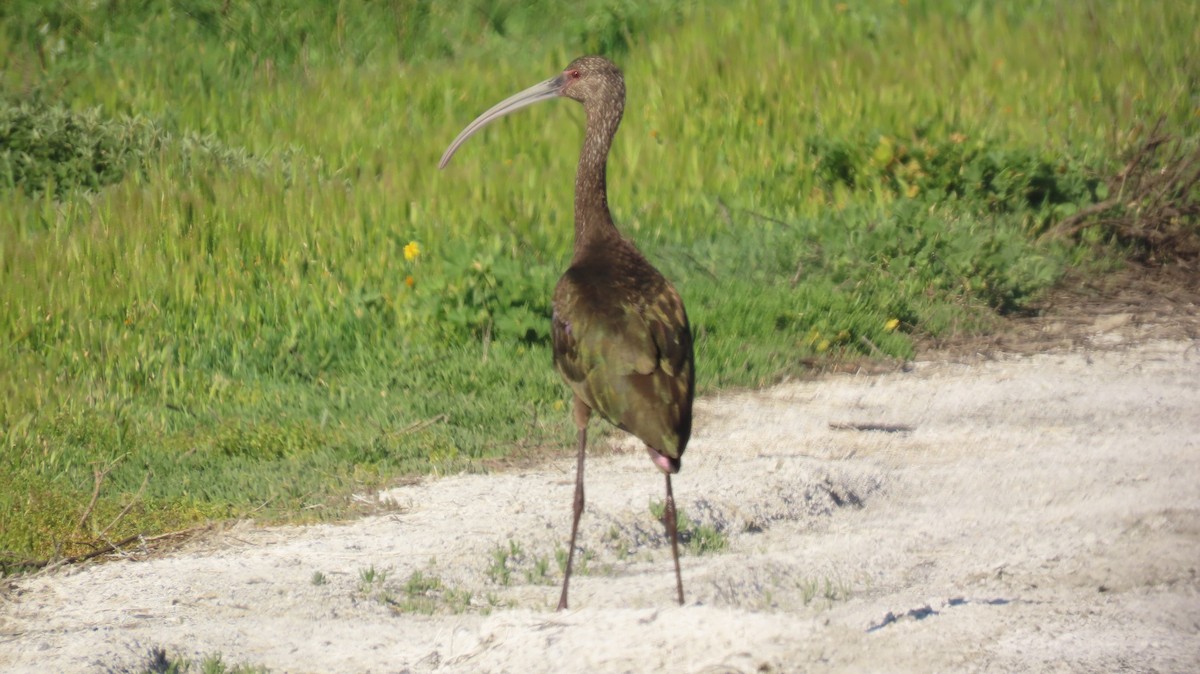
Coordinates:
[158,661]
[695,537]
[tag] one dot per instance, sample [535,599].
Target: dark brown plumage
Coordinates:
[621,336]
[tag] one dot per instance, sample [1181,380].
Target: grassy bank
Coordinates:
[232,280]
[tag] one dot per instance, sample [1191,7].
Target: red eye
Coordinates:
[574,74]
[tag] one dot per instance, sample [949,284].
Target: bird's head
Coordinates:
[592,80]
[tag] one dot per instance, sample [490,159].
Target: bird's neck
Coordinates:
[593,221]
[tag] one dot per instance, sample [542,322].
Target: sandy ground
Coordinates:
[1041,514]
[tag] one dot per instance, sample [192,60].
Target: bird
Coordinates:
[620,334]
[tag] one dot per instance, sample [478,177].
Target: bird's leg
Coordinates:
[582,412]
[672,531]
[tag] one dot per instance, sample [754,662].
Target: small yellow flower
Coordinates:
[892,324]
[412,250]
[559,405]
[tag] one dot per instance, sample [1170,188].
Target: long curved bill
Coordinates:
[537,93]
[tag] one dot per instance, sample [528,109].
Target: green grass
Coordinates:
[205,206]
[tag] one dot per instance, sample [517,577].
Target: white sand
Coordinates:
[1042,515]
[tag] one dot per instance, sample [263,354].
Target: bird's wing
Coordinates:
[672,335]
[615,338]
[601,348]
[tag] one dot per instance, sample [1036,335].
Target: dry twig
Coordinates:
[128,506]
[98,475]
[1155,201]
[869,426]
[419,425]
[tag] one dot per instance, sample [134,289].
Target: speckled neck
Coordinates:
[593,221]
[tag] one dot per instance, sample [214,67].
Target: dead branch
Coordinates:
[1155,203]
[875,350]
[98,475]
[107,547]
[128,506]
[98,479]
[869,426]
[419,425]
